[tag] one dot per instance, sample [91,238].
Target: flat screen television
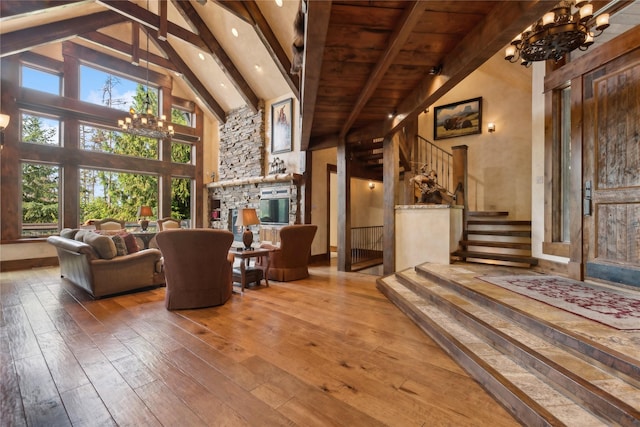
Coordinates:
[274,211]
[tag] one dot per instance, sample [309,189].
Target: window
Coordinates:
[562,167]
[37,129]
[38,79]
[40,199]
[183,117]
[180,153]
[113,194]
[181,198]
[109,141]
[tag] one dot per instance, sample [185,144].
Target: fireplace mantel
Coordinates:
[281,177]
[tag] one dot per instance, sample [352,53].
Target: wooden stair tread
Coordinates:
[487,213]
[513,233]
[495,256]
[499,222]
[495,244]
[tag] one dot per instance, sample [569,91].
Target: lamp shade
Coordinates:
[144,211]
[4,120]
[247,216]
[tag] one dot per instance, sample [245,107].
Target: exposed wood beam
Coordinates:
[151,20]
[21,40]
[122,47]
[164,21]
[191,79]
[135,43]
[269,40]
[10,8]
[504,22]
[318,14]
[407,22]
[219,55]
[236,8]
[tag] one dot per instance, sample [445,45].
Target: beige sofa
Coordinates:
[91,261]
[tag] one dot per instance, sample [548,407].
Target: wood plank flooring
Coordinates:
[330,350]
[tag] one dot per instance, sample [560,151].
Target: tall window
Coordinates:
[39,129]
[94,138]
[181,198]
[562,167]
[109,194]
[38,79]
[40,199]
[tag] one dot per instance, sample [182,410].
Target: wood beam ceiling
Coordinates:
[219,55]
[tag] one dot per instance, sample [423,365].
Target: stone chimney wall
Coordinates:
[242,144]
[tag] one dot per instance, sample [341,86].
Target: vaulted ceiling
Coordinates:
[369,66]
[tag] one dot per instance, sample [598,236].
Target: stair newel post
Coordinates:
[459,174]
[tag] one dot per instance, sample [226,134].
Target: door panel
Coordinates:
[612,163]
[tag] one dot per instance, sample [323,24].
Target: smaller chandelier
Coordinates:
[557,33]
[146,123]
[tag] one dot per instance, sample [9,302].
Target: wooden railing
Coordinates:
[432,157]
[366,244]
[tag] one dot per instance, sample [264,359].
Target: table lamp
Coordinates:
[143,213]
[247,217]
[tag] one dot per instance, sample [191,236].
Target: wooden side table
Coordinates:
[247,273]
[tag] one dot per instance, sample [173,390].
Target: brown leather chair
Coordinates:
[168,224]
[197,267]
[289,261]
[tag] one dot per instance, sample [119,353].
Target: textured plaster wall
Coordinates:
[499,163]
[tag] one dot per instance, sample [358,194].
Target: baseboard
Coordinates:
[319,258]
[26,264]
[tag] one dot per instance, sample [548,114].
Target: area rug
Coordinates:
[616,308]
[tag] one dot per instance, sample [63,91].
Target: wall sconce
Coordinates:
[371,185]
[4,122]
[491,127]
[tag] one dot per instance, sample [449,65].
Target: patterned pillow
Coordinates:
[130,242]
[121,247]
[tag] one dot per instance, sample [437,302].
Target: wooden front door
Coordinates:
[611,171]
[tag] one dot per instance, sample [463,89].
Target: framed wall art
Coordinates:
[458,119]
[281,126]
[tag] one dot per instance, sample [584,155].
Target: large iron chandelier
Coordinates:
[145,123]
[557,33]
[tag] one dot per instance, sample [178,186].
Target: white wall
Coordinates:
[319,202]
[366,204]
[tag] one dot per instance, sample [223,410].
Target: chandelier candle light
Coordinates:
[557,33]
[145,123]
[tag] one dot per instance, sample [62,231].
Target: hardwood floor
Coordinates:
[328,350]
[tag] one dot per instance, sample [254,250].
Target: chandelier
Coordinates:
[145,123]
[557,33]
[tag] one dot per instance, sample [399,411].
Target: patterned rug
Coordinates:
[616,308]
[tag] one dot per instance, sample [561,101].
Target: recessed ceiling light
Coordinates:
[234,32]
[223,85]
[201,56]
[279,3]
[257,67]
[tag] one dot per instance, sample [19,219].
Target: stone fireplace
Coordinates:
[242,179]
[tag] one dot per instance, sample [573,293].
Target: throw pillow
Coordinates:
[121,247]
[103,245]
[130,242]
[68,233]
[80,235]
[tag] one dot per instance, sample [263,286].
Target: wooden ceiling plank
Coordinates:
[135,43]
[318,14]
[124,48]
[22,40]
[271,43]
[164,21]
[499,27]
[219,55]
[409,19]
[191,79]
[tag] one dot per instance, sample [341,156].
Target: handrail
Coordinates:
[432,157]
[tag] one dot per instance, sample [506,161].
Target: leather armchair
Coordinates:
[168,223]
[197,267]
[290,260]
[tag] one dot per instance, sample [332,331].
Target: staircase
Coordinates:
[544,374]
[491,239]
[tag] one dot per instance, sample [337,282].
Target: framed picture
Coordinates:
[458,119]
[281,135]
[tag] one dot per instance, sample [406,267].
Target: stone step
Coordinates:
[529,366]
